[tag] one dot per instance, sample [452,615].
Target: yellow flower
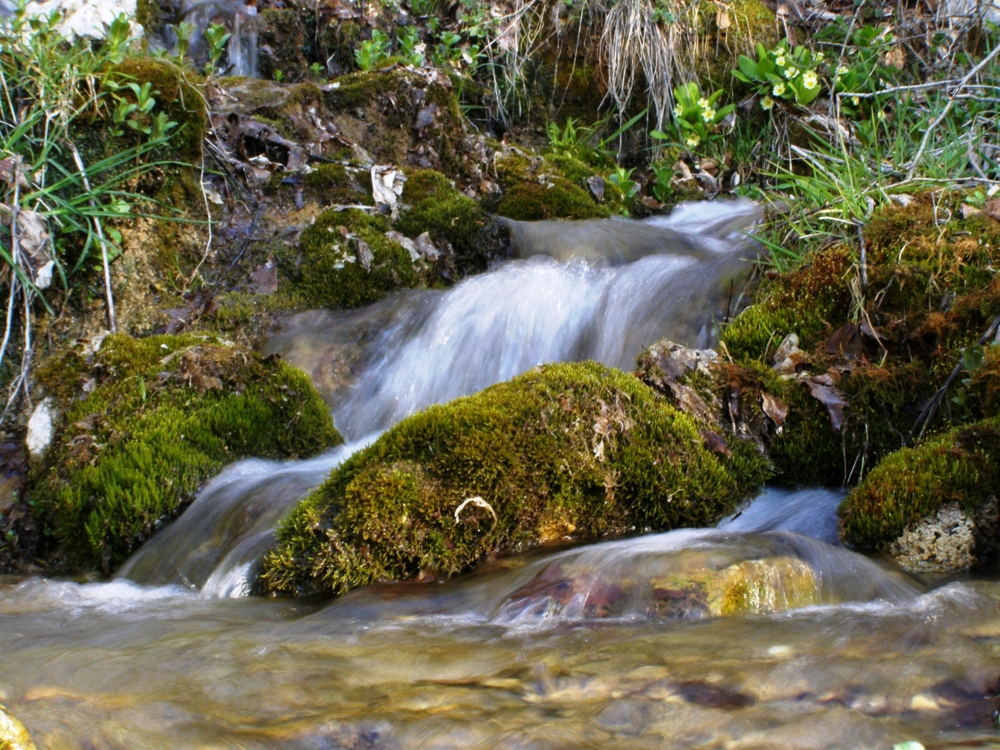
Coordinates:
[767,102]
[703,103]
[678,111]
[855,100]
[708,114]
[779,89]
[810,80]
[780,61]
[790,73]
[692,140]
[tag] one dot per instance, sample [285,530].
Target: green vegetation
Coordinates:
[573,450]
[347,261]
[960,466]
[147,422]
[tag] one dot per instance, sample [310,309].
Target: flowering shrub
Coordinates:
[695,116]
[781,73]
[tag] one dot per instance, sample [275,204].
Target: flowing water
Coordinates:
[760,633]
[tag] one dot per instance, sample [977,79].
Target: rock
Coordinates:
[167,413]
[13,735]
[571,449]
[933,506]
[86,18]
[946,542]
[40,428]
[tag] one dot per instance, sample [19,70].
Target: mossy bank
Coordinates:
[146,422]
[564,451]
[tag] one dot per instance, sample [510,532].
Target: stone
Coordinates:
[946,542]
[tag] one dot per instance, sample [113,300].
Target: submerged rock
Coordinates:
[933,507]
[147,421]
[13,735]
[564,451]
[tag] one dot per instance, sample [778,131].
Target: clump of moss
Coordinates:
[571,450]
[434,205]
[960,466]
[558,198]
[326,185]
[150,421]
[331,269]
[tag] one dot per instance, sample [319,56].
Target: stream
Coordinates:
[762,632]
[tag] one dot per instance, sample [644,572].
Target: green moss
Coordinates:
[564,450]
[330,271]
[164,414]
[285,42]
[557,199]
[961,466]
[326,184]
[434,205]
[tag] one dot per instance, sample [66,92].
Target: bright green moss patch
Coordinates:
[571,450]
[332,272]
[557,199]
[434,205]
[163,414]
[961,466]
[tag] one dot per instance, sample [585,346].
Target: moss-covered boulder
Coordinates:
[564,451]
[433,204]
[146,422]
[818,335]
[345,260]
[933,507]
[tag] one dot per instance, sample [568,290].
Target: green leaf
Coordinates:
[748,68]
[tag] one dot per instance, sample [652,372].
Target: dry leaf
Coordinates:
[264,279]
[387,185]
[715,443]
[822,389]
[845,341]
[992,209]
[406,242]
[775,409]
[427,248]
[33,240]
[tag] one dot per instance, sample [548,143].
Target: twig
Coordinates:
[112,323]
[864,257]
[208,220]
[928,412]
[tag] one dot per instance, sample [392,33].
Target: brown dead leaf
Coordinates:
[264,279]
[992,209]
[822,389]
[775,409]
[715,443]
[845,341]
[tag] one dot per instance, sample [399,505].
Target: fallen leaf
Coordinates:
[365,255]
[992,209]
[33,241]
[829,396]
[595,184]
[427,248]
[427,116]
[715,443]
[845,341]
[387,185]
[408,244]
[264,279]
[775,409]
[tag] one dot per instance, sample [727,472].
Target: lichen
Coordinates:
[147,421]
[577,447]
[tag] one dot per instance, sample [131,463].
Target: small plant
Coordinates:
[782,74]
[410,46]
[696,118]
[621,178]
[373,51]
[217,37]
[663,175]
[317,70]
[448,52]
[279,76]
[572,138]
[183,31]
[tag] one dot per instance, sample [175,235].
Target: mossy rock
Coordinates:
[329,184]
[13,735]
[961,466]
[570,450]
[556,199]
[330,270]
[162,415]
[433,204]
